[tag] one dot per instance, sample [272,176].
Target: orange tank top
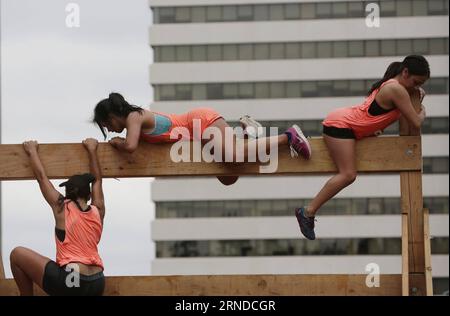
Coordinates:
[83,233]
[359,120]
[204,116]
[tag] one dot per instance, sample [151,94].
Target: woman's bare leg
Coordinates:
[27,267]
[343,153]
[221,124]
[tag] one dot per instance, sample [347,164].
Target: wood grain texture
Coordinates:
[405,257]
[427,250]
[240,285]
[412,206]
[375,154]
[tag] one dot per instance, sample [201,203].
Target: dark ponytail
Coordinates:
[114,104]
[416,65]
[392,71]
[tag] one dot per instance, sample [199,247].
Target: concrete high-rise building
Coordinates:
[284,62]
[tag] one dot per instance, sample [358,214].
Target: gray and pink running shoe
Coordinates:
[298,143]
[252,128]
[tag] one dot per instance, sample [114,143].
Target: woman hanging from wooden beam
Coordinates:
[388,99]
[115,114]
[78,269]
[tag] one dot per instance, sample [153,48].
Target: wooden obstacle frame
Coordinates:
[387,154]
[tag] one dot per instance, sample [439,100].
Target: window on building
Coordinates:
[340,49]
[261,51]
[437,46]
[404,8]
[357,88]
[277,51]
[372,48]
[198,14]
[293,50]
[199,53]
[214,91]
[214,52]
[324,10]
[307,11]
[230,13]
[262,90]
[356,9]
[437,7]
[293,90]
[292,11]
[246,91]
[419,7]
[309,89]
[387,8]
[276,12]
[404,47]
[245,51]
[308,50]
[388,48]
[277,90]
[168,53]
[199,92]
[356,49]
[167,92]
[183,15]
[166,15]
[245,13]
[183,53]
[420,46]
[230,52]
[261,12]
[214,14]
[340,9]
[324,50]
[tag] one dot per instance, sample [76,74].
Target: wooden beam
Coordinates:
[375,154]
[240,285]
[412,206]
[427,250]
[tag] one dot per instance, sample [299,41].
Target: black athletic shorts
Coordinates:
[59,282]
[336,132]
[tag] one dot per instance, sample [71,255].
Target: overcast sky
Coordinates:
[52,77]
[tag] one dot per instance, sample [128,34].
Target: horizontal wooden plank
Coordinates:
[376,154]
[240,285]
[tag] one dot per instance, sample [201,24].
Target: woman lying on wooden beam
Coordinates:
[78,269]
[388,99]
[115,114]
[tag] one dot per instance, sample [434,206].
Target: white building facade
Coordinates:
[285,62]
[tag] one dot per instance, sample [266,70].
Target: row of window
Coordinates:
[320,49]
[250,208]
[296,11]
[289,247]
[431,125]
[279,89]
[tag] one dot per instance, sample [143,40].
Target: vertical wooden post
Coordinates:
[405,257]
[412,207]
[427,249]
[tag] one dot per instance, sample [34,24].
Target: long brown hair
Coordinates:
[416,65]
